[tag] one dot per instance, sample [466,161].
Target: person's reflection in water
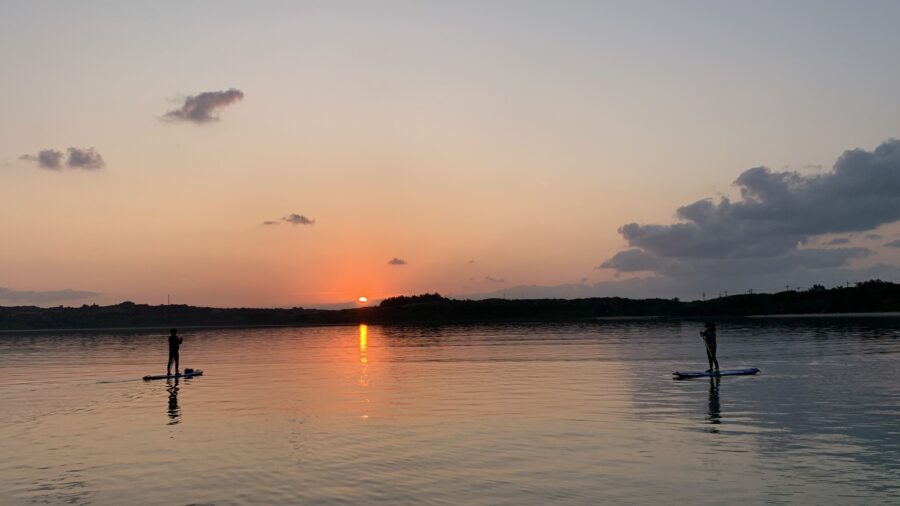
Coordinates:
[174,411]
[714,413]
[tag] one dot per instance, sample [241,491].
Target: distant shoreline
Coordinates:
[884,314]
[869,299]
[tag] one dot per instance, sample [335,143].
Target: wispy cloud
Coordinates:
[873,237]
[491,279]
[298,219]
[78,158]
[203,108]
[397,261]
[270,222]
[893,244]
[42,297]
[49,159]
[838,240]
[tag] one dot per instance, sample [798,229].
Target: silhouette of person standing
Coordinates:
[174,344]
[709,337]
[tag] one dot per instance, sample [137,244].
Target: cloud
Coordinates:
[202,108]
[632,260]
[838,240]
[873,237]
[79,158]
[692,288]
[893,244]
[397,261]
[85,159]
[270,222]
[49,159]
[297,219]
[776,215]
[490,279]
[45,297]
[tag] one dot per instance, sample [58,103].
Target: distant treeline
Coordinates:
[869,296]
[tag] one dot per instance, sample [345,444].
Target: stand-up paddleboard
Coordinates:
[196,372]
[704,374]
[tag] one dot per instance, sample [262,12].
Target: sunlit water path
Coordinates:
[531,414]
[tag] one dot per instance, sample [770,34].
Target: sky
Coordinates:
[308,153]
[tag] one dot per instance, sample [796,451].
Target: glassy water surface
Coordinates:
[530,414]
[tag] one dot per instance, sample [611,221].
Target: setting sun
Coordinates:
[363,299]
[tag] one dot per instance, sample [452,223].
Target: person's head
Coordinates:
[174,331]
[710,326]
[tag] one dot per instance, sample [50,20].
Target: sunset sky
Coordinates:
[308,153]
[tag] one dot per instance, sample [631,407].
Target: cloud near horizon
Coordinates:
[203,108]
[78,158]
[693,288]
[295,219]
[397,261]
[43,297]
[777,213]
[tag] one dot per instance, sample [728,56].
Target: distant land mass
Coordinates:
[873,296]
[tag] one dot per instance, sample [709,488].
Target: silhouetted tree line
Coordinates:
[868,296]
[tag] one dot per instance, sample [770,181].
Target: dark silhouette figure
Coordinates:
[709,338]
[174,344]
[174,411]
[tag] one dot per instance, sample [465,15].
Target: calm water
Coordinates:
[538,414]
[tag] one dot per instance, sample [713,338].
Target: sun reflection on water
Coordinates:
[364,365]
[363,357]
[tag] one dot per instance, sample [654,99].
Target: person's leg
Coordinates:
[169,365]
[176,363]
[714,359]
[709,357]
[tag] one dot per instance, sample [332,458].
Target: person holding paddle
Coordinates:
[174,344]
[709,339]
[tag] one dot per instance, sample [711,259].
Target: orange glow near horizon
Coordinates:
[362,299]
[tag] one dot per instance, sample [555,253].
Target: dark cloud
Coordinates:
[490,279]
[202,108]
[270,222]
[873,237]
[46,297]
[838,240]
[49,159]
[777,214]
[298,219]
[79,158]
[85,159]
[636,260]
[397,261]
[893,244]
[632,260]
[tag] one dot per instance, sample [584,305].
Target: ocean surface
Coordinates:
[522,414]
